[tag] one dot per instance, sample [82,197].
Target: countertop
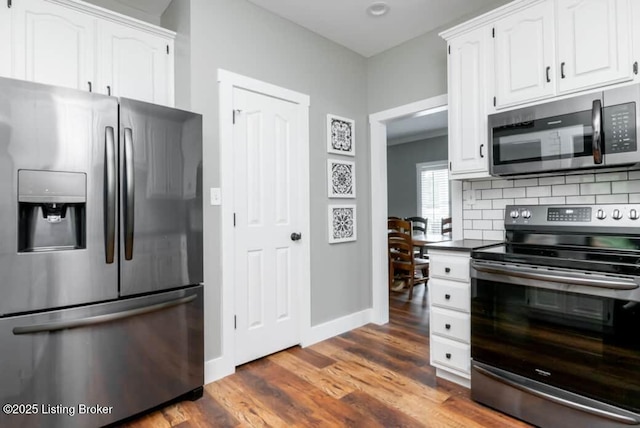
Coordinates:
[461,245]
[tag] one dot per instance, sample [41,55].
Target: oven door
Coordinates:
[572,330]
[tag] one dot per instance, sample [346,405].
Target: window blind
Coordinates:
[433,194]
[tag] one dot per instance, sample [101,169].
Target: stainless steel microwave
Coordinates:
[596,130]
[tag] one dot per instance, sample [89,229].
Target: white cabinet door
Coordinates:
[524,48]
[635,59]
[52,44]
[5,41]
[135,64]
[594,46]
[467,104]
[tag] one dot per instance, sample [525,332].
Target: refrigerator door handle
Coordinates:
[109,194]
[129,197]
[100,319]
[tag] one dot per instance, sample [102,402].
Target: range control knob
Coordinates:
[514,214]
[601,215]
[617,215]
[526,214]
[633,214]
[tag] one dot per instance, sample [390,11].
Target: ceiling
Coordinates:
[347,23]
[416,128]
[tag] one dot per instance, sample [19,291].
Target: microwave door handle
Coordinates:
[596,118]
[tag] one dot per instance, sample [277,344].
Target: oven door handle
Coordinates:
[566,277]
[626,420]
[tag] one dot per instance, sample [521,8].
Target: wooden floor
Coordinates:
[375,376]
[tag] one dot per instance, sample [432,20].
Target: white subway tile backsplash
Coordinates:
[582,178]
[526,201]
[526,182]
[492,214]
[621,198]
[501,184]
[492,194]
[555,200]
[565,190]
[484,219]
[625,186]
[495,235]
[589,199]
[483,224]
[611,176]
[472,234]
[545,181]
[481,185]
[472,214]
[516,192]
[483,204]
[595,188]
[499,204]
[536,192]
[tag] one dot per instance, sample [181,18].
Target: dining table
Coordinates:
[421,239]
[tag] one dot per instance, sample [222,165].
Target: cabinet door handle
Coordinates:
[447,269]
[548,76]
[108,90]
[90,86]
[562,71]
[448,355]
[447,326]
[481,147]
[447,296]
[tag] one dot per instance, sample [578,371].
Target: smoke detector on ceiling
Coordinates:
[378,9]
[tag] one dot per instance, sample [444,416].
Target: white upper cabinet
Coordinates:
[525,55]
[52,44]
[73,44]
[467,104]
[635,29]
[135,64]
[594,43]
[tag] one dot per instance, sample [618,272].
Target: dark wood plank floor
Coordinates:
[375,376]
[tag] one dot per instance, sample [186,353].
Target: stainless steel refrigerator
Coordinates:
[101,300]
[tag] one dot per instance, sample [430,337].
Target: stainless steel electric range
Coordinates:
[555,316]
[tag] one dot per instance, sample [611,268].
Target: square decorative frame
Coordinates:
[341,135]
[341,179]
[342,223]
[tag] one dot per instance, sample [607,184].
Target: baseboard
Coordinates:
[217,368]
[335,327]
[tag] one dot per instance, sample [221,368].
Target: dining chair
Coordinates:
[446,225]
[403,263]
[418,224]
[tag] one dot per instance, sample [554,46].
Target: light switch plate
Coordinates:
[216,196]
[469,196]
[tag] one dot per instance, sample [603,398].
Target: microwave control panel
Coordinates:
[620,128]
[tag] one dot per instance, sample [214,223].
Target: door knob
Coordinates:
[295,236]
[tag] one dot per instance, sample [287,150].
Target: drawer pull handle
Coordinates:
[448,355]
[447,296]
[447,326]
[447,270]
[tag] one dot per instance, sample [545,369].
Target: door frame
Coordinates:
[227,81]
[379,209]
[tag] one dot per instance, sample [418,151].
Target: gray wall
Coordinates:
[402,179]
[240,37]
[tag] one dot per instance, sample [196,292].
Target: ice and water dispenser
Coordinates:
[51,210]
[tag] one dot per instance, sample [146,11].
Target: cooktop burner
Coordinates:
[600,238]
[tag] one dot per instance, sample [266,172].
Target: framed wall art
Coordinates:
[340,135]
[341,179]
[342,223]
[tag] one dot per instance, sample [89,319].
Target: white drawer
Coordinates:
[454,325]
[450,294]
[453,267]
[450,353]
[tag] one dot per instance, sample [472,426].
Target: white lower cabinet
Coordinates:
[449,315]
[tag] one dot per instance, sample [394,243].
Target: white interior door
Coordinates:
[267,170]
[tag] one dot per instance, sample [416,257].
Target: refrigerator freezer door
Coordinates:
[118,358]
[161,198]
[57,200]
